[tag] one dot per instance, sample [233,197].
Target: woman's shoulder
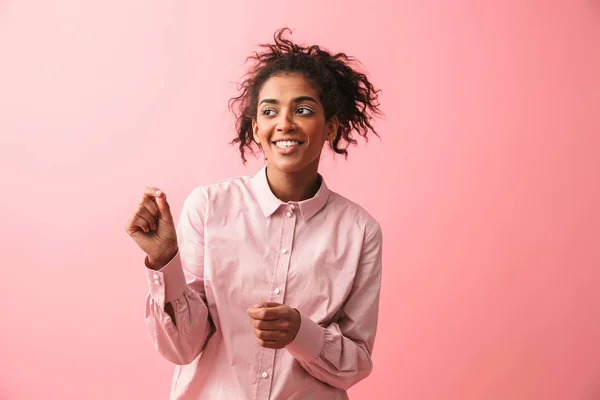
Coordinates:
[223,185]
[348,208]
[222,190]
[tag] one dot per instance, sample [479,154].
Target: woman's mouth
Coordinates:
[288,146]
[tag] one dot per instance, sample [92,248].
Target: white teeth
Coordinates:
[287,143]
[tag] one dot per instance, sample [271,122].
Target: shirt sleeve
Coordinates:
[181,283]
[340,354]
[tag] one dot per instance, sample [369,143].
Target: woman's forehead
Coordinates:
[283,86]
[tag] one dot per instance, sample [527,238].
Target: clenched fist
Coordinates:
[275,325]
[151,227]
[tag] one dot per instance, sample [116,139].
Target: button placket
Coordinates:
[267,357]
[289,226]
[290,213]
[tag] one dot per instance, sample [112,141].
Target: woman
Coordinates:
[269,286]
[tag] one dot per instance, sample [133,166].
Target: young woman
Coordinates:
[268,288]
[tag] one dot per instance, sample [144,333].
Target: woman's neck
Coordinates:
[296,186]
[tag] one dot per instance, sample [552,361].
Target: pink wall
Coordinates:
[486,181]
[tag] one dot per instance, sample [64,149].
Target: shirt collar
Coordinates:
[269,203]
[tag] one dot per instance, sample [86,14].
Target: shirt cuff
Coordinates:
[168,283]
[309,341]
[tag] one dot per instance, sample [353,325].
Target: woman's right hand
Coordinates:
[151,227]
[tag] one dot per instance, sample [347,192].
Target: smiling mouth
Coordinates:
[284,144]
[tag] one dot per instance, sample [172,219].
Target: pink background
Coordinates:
[486,182]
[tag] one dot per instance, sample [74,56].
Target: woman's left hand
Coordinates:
[275,325]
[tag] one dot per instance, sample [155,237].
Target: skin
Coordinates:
[289,109]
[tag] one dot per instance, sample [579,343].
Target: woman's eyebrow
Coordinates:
[295,100]
[304,98]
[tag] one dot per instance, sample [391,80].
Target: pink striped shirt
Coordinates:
[239,246]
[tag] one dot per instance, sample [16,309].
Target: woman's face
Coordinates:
[290,123]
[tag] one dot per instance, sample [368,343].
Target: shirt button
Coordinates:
[292,207]
[156,277]
[265,374]
[277,291]
[284,251]
[289,214]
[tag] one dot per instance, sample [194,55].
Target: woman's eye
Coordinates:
[304,111]
[268,112]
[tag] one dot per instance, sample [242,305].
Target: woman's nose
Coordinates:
[285,123]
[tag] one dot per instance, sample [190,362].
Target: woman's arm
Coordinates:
[177,316]
[340,354]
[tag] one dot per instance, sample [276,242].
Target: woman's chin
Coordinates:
[286,166]
[290,164]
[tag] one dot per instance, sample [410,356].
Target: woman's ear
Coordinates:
[333,126]
[255,132]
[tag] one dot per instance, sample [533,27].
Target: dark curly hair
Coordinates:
[343,91]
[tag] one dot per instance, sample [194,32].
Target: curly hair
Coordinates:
[343,91]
